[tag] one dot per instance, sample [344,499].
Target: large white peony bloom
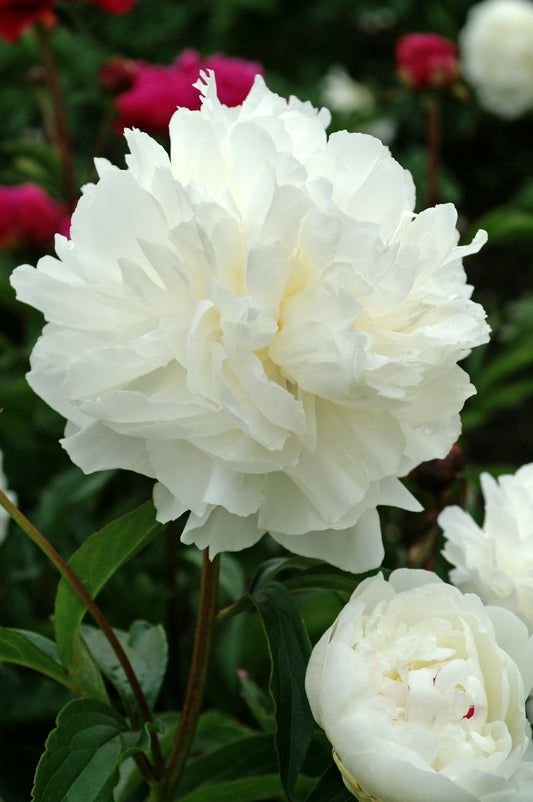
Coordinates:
[261,323]
[421,691]
[496,47]
[495,560]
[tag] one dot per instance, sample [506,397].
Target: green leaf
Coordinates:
[146,648]
[330,788]
[130,776]
[86,673]
[251,789]
[289,649]
[512,360]
[33,651]
[507,224]
[216,729]
[504,397]
[250,756]
[82,754]
[259,703]
[94,564]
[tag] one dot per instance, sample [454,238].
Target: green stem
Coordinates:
[203,644]
[62,136]
[97,614]
[240,606]
[433,146]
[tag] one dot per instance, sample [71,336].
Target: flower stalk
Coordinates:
[203,645]
[61,131]
[433,148]
[66,572]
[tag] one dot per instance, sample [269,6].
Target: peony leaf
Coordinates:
[289,649]
[33,651]
[147,651]
[507,224]
[246,757]
[214,730]
[86,673]
[82,754]
[250,789]
[330,788]
[94,564]
[306,573]
[259,703]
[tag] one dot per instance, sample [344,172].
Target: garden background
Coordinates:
[487,172]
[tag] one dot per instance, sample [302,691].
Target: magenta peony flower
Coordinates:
[17,15]
[157,90]
[29,217]
[427,60]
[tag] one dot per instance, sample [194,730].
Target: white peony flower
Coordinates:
[496,48]
[262,324]
[495,560]
[339,92]
[421,691]
[4,517]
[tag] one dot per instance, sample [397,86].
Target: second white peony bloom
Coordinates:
[421,692]
[262,324]
[496,47]
[495,560]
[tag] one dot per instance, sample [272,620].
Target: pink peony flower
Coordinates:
[427,60]
[18,15]
[157,90]
[29,217]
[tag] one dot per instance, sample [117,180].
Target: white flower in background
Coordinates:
[340,93]
[496,48]
[261,323]
[421,692]
[4,517]
[495,560]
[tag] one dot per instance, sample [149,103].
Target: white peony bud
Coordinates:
[421,692]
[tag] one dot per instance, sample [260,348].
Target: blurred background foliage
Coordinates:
[487,172]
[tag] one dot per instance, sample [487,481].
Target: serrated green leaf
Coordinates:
[146,648]
[94,564]
[289,649]
[330,788]
[82,754]
[33,651]
[250,789]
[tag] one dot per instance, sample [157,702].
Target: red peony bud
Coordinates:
[29,217]
[118,74]
[426,60]
[18,15]
[116,6]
